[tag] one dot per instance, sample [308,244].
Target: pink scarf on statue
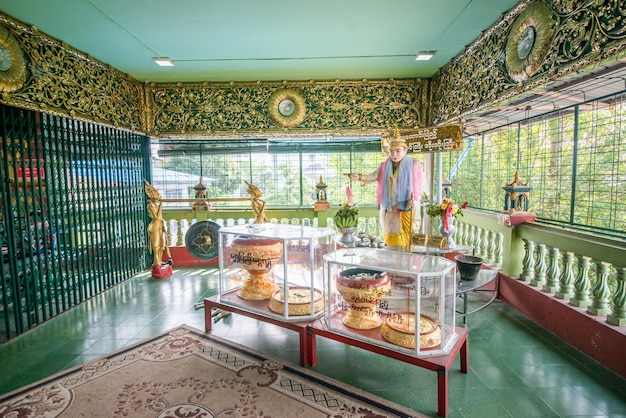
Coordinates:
[409,183]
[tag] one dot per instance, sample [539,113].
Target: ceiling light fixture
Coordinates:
[424,55]
[164,61]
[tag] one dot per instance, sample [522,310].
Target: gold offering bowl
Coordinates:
[299,301]
[362,290]
[399,329]
[258,256]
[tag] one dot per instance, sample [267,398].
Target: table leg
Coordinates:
[305,347]
[208,319]
[312,347]
[442,392]
[464,357]
[465,308]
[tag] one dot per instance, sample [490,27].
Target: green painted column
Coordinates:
[600,292]
[566,281]
[465,234]
[472,239]
[484,244]
[478,246]
[499,248]
[528,264]
[582,284]
[491,247]
[618,303]
[540,266]
[552,275]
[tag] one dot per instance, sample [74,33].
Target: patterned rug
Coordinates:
[187,373]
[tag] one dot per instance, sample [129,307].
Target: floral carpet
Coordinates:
[187,373]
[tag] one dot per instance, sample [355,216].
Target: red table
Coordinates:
[301,327]
[309,330]
[440,364]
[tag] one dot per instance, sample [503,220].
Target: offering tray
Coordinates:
[399,329]
[299,301]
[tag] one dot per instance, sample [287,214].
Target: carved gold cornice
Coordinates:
[61,80]
[320,107]
[574,36]
[57,79]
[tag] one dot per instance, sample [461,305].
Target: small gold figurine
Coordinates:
[200,205]
[258,204]
[157,238]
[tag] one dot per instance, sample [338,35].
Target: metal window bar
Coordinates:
[574,158]
[73,214]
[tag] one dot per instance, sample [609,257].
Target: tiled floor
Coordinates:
[517,369]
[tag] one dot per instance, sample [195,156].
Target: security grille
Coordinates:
[73,214]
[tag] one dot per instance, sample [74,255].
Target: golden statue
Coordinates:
[258,204]
[157,238]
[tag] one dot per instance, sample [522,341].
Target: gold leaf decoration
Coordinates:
[12,63]
[286,107]
[529,41]
[243,108]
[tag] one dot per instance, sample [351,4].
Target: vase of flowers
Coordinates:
[446,211]
[346,219]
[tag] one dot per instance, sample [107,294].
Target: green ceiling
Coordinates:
[249,40]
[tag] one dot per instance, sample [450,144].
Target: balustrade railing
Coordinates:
[583,281]
[179,222]
[586,271]
[572,267]
[487,243]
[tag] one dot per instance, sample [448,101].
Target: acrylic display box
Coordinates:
[399,300]
[275,270]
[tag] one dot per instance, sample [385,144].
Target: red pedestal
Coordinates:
[161,271]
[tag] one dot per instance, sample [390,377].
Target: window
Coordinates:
[286,171]
[574,158]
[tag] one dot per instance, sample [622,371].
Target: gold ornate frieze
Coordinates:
[60,80]
[275,108]
[536,43]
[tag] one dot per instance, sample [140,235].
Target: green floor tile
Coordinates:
[523,403]
[517,369]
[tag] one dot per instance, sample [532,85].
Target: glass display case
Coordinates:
[395,299]
[275,270]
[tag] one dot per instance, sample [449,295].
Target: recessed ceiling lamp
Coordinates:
[164,61]
[424,55]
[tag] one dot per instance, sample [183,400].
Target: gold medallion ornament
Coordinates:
[529,41]
[286,108]
[12,63]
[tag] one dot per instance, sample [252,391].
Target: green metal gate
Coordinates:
[72,214]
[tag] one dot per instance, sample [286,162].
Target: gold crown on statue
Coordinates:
[397,141]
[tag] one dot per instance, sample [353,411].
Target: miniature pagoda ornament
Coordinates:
[201,204]
[516,203]
[320,192]
[517,197]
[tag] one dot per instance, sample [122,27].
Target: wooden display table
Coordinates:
[257,307]
[439,364]
[309,330]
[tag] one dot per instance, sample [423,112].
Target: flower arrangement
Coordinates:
[445,208]
[347,215]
